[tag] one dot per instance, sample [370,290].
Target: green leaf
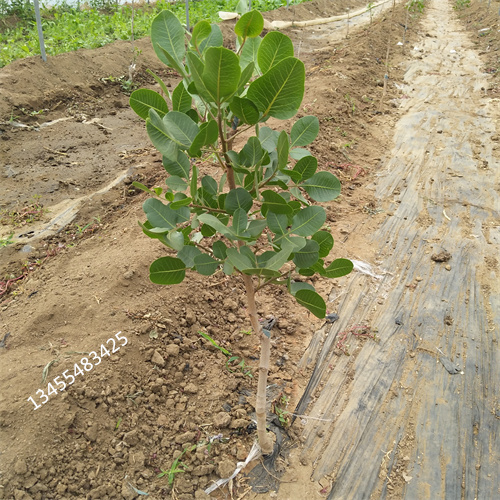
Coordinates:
[217,224]
[194,183]
[238,198]
[322,186]
[175,240]
[238,260]
[167,271]
[273,202]
[180,128]
[295,286]
[299,153]
[269,138]
[255,228]
[275,47]
[215,39]
[196,68]
[245,110]
[142,187]
[304,131]
[277,261]
[187,255]
[262,271]
[277,223]
[209,184]
[163,216]
[307,255]
[308,221]
[183,202]
[282,149]
[205,264]
[201,31]
[220,249]
[246,74]
[157,132]
[338,268]
[160,82]
[221,74]
[181,98]
[311,301]
[180,167]
[279,92]
[142,100]
[325,242]
[249,52]
[168,34]
[176,183]
[250,25]
[208,134]
[240,222]
[252,152]
[305,168]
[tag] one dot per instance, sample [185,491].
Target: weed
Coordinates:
[232,360]
[461,4]
[177,467]
[6,241]
[28,214]
[351,102]
[342,132]
[415,6]
[280,409]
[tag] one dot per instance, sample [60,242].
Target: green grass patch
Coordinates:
[68,28]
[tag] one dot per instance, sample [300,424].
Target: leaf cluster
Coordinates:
[256,216]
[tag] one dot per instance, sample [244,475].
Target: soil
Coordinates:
[77,273]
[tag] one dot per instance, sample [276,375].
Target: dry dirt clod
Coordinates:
[158,359]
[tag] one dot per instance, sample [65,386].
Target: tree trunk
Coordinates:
[265,441]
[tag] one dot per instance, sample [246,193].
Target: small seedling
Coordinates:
[118,423]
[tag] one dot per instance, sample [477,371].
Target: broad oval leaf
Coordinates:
[308,255]
[252,152]
[304,131]
[305,168]
[295,286]
[238,260]
[325,242]
[250,25]
[238,198]
[308,221]
[181,98]
[201,31]
[163,216]
[322,186]
[274,202]
[339,268]
[205,264]
[215,39]
[311,301]
[275,47]
[220,249]
[269,138]
[167,33]
[221,74]
[249,52]
[187,255]
[245,110]
[142,100]
[157,132]
[277,223]
[180,167]
[167,271]
[175,183]
[180,128]
[196,68]
[279,92]
[240,222]
[282,150]
[208,134]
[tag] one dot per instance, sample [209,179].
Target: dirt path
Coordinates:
[397,423]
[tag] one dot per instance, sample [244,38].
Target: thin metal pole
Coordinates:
[40,32]
[187,14]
